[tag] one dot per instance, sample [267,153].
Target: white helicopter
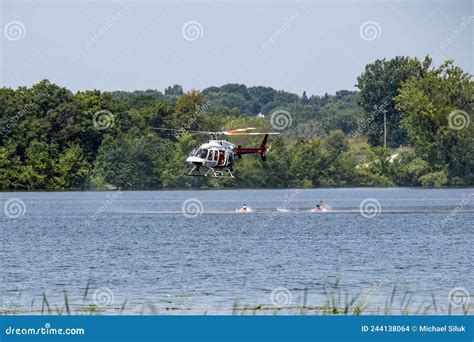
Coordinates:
[216,157]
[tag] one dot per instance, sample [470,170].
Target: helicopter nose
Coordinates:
[195,160]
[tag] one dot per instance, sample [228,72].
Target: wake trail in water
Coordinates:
[301,211]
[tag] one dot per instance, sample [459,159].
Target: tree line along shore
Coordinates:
[407,124]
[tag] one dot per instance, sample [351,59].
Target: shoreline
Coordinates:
[237,189]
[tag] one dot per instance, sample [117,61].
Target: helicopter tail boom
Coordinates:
[239,151]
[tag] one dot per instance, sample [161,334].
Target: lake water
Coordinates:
[190,252]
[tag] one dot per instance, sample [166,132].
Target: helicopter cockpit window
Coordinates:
[199,152]
[202,153]
[211,155]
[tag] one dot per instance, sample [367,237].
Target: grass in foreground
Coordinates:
[337,302]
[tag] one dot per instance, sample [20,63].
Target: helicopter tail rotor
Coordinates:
[263,148]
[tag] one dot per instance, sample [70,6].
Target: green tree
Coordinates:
[13,174]
[304,98]
[375,170]
[175,90]
[336,143]
[340,168]
[434,179]
[276,167]
[379,84]
[40,166]
[436,114]
[188,111]
[407,168]
[308,163]
[71,169]
[132,160]
[174,172]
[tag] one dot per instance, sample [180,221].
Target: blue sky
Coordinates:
[317,46]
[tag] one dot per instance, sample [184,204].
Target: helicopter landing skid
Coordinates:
[212,172]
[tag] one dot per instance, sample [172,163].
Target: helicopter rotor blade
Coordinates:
[249,133]
[239,131]
[182,130]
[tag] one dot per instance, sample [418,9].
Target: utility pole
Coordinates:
[385,129]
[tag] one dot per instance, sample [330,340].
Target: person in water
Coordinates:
[244,208]
[320,206]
